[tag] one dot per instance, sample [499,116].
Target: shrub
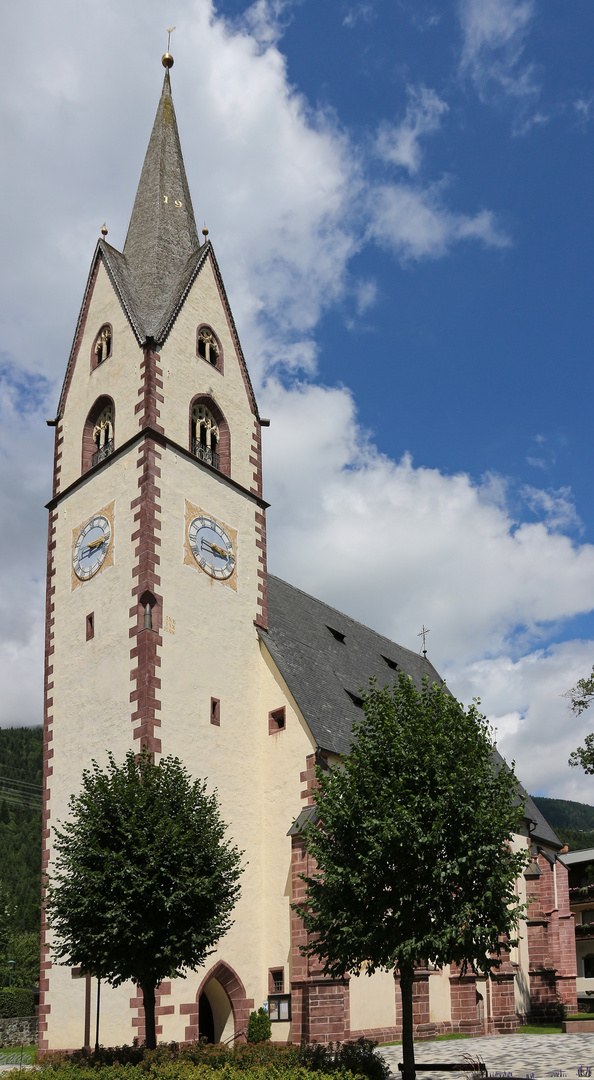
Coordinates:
[259,1028]
[360,1058]
[15,1001]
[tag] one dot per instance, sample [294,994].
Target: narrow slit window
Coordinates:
[356,700]
[391,663]
[277,720]
[90,625]
[215,711]
[336,634]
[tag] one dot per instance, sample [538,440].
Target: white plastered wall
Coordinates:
[185,374]
[214,652]
[519,956]
[118,377]
[91,708]
[372,1000]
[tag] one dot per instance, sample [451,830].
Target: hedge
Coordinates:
[15,1001]
[203,1061]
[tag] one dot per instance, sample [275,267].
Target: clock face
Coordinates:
[91,547]
[211,547]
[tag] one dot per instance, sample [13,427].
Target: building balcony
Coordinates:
[204,453]
[102,453]
[584,930]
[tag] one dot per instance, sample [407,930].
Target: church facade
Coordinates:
[163,628]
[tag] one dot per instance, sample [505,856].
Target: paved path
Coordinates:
[514,1055]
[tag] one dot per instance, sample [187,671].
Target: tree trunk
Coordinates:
[407,976]
[148,1001]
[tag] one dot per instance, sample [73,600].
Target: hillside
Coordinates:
[20,823]
[572,821]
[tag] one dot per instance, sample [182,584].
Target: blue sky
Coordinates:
[399,196]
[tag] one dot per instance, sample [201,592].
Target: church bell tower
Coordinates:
[156,568]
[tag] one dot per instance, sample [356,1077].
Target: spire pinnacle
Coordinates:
[162,233]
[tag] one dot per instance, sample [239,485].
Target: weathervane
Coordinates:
[167,59]
[423,634]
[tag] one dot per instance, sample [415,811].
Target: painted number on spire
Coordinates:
[176,202]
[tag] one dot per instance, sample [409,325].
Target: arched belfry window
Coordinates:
[209,347]
[209,434]
[98,433]
[102,346]
[205,435]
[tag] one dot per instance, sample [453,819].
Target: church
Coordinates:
[164,629]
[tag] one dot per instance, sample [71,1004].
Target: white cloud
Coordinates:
[288,201]
[557,508]
[524,700]
[416,223]
[494,33]
[583,108]
[399,144]
[396,545]
[25,475]
[361,11]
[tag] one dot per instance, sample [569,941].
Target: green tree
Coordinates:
[145,881]
[581,697]
[413,852]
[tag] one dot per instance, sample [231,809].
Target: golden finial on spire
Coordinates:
[167,59]
[205,233]
[104,230]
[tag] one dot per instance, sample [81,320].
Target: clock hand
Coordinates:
[217,550]
[96,543]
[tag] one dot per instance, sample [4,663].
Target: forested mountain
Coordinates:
[572,821]
[21,751]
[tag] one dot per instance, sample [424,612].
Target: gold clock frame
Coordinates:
[108,512]
[189,558]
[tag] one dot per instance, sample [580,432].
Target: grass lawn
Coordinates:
[419,1042]
[540,1029]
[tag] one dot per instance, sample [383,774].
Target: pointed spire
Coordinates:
[162,233]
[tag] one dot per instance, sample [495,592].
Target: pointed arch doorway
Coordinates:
[221,1010]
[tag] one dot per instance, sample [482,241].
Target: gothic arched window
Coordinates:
[205,435]
[102,346]
[98,433]
[209,434]
[209,347]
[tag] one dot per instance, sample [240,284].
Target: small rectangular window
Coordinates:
[90,625]
[215,711]
[276,720]
[276,981]
[279,1008]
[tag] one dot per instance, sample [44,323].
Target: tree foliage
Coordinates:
[580,698]
[145,881]
[259,1026]
[413,845]
[21,752]
[582,694]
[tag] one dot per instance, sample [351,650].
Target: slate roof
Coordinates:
[325,672]
[541,830]
[162,235]
[321,671]
[162,255]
